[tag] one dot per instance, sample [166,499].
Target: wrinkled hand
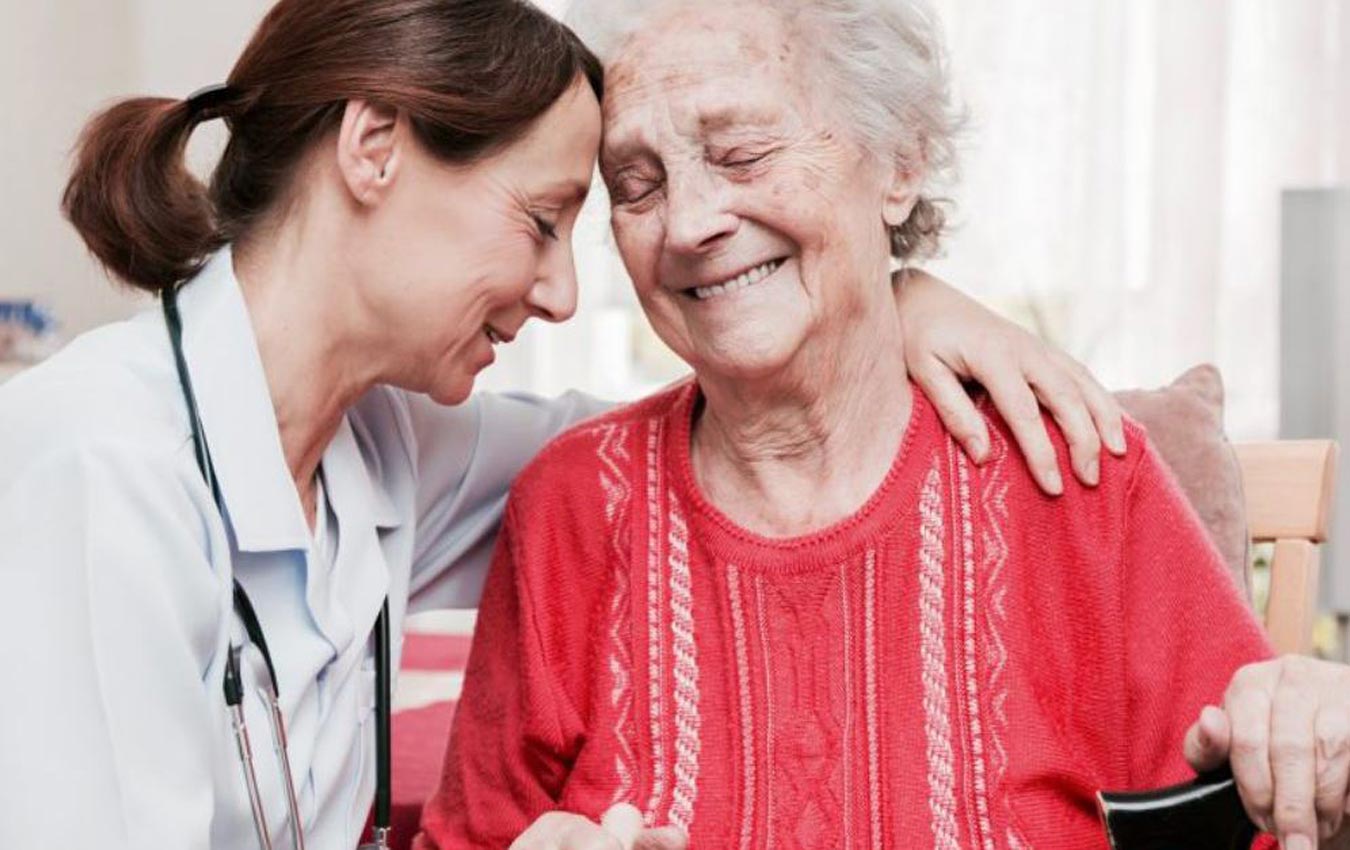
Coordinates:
[950,337]
[620,829]
[1285,727]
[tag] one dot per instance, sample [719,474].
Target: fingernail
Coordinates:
[976,448]
[1054,482]
[1296,842]
[1092,471]
[1116,442]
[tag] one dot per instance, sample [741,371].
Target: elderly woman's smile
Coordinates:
[750,220]
[736,283]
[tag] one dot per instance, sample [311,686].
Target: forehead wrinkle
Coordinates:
[651,78]
[635,105]
[693,40]
[694,45]
[642,105]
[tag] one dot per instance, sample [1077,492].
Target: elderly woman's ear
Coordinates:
[949,338]
[901,196]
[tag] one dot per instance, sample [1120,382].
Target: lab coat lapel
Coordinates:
[360,569]
[237,414]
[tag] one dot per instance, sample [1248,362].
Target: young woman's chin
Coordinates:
[452,381]
[452,389]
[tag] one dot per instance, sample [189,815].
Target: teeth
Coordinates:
[739,282]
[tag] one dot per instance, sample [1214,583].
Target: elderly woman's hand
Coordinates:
[620,829]
[950,337]
[1285,727]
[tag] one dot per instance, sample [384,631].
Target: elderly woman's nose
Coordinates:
[697,214]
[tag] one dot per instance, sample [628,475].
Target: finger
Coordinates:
[1332,736]
[1103,408]
[1249,752]
[1207,740]
[624,822]
[1017,405]
[542,833]
[556,831]
[955,407]
[1110,422]
[1060,394]
[664,838]
[586,835]
[1293,763]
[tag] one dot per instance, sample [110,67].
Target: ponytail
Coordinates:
[133,200]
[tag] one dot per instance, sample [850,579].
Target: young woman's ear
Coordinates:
[368,149]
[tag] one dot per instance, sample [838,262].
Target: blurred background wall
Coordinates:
[59,61]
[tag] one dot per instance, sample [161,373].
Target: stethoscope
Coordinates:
[234,687]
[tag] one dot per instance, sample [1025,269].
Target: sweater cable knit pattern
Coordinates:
[766,728]
[871,698]
[846,608]
[686,673]
[994,549]
[747,721]
[933,649]
[612,452]
[985,831]
[656,674]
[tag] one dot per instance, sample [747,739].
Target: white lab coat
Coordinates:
[115,579]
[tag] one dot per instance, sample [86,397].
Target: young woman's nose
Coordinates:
[553,297]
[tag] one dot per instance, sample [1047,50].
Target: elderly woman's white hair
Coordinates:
[886,62]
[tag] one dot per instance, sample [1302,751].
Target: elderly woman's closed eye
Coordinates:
[777,605]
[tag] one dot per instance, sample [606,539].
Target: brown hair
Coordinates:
[471,75]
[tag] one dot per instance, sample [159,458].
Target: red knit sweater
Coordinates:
[962,663]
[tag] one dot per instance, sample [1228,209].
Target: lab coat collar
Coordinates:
[360,566]
[241,426]
[354,492]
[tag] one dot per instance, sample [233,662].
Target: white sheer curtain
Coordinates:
[1123,173]
[1119,192]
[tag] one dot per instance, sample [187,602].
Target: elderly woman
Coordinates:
[775,605]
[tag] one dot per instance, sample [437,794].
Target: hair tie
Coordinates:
[209,102]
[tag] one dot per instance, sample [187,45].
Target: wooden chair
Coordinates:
[1289,487]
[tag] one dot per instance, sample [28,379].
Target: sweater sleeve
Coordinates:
[1187,628]
[514,734]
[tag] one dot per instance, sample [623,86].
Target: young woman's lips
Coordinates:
[485,353]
